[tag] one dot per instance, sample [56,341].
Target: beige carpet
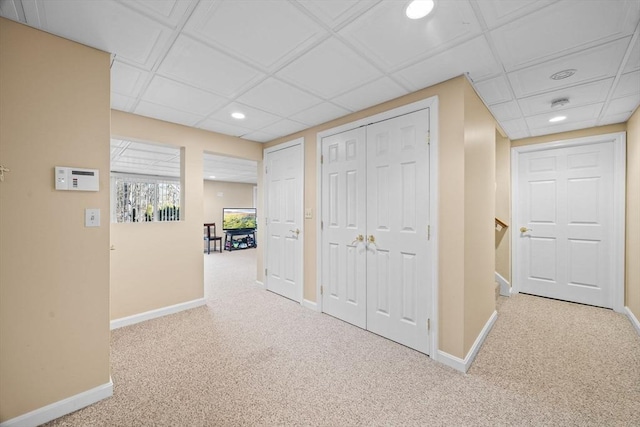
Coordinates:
[254,358]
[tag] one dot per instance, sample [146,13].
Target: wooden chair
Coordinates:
[210,236]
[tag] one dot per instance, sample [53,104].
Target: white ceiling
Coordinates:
[290,65]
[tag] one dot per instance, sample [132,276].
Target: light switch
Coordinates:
[308,213]
[92,217]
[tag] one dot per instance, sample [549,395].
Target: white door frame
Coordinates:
[284,145]
[619,183]
[432,104]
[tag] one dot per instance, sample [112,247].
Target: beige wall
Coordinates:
[219,194]
[453,282]
[503,206]
[54,272]
[479,215]
[146,273]
[632,299]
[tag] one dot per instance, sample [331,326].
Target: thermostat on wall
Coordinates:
[77,179]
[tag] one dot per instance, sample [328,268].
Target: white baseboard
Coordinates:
[260,284]
[634,320]
[463,365]
[148,315]
[62,407]
[505,286]
[311,305]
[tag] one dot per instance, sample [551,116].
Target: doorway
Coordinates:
[568,210]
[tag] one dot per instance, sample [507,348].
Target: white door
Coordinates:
[283,203]
[397,235]
[375,216]
[565,223]
[344,226]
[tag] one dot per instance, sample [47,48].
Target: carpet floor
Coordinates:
[250,357]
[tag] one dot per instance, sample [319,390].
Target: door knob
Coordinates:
[372,239]
[297,231]
[360,238]
[525,229]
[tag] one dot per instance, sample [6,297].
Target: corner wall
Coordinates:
[632,294]
[54,272]
[146,274]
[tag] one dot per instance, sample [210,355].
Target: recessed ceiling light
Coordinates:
[212,177]
[557,119]
[563,74]
[419,8]
[238,115]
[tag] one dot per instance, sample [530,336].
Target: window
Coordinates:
[140,198]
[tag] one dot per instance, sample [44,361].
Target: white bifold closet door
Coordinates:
[375,213]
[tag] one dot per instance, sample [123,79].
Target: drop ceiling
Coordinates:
[290,65]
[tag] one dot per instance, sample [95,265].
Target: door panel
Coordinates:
[343,216]
[397,218]
[567,206]
[284,218]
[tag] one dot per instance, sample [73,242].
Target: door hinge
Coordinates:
[265,272]
[266,170]
[321,290]
[428,324]
[321,225]
[428,232]
[428,137]
[322,159]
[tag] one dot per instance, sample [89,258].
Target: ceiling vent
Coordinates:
[560,102]
[563,74]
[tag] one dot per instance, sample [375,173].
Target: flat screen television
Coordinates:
[239,219]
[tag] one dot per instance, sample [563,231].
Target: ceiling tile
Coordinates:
[506,111]
[223,128]
[168,114]
[596,63]
[517,126]
[106,25]
[590,93]
[335,13]
[255,30]
[628,104]
[599,22]
[172,94]
[284,127]
[579,114]
[473,57]
[500,12]
[121,102]
[633,62]
[259,136]
[279,98]
[255,119]
[370,94]
[614,119]
[9,10]
[168,11]
[196,64]
[388,37]
[320,113]
[126,79]
[494,91]
[329,70]
[563,127]
[628,84]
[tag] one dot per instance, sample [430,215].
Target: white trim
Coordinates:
[62,407]
[505,286]
[634,320]
[464,365]
[619,199]
[310,304]
[266,151]
[152,314]
[260,284]
[433,104]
